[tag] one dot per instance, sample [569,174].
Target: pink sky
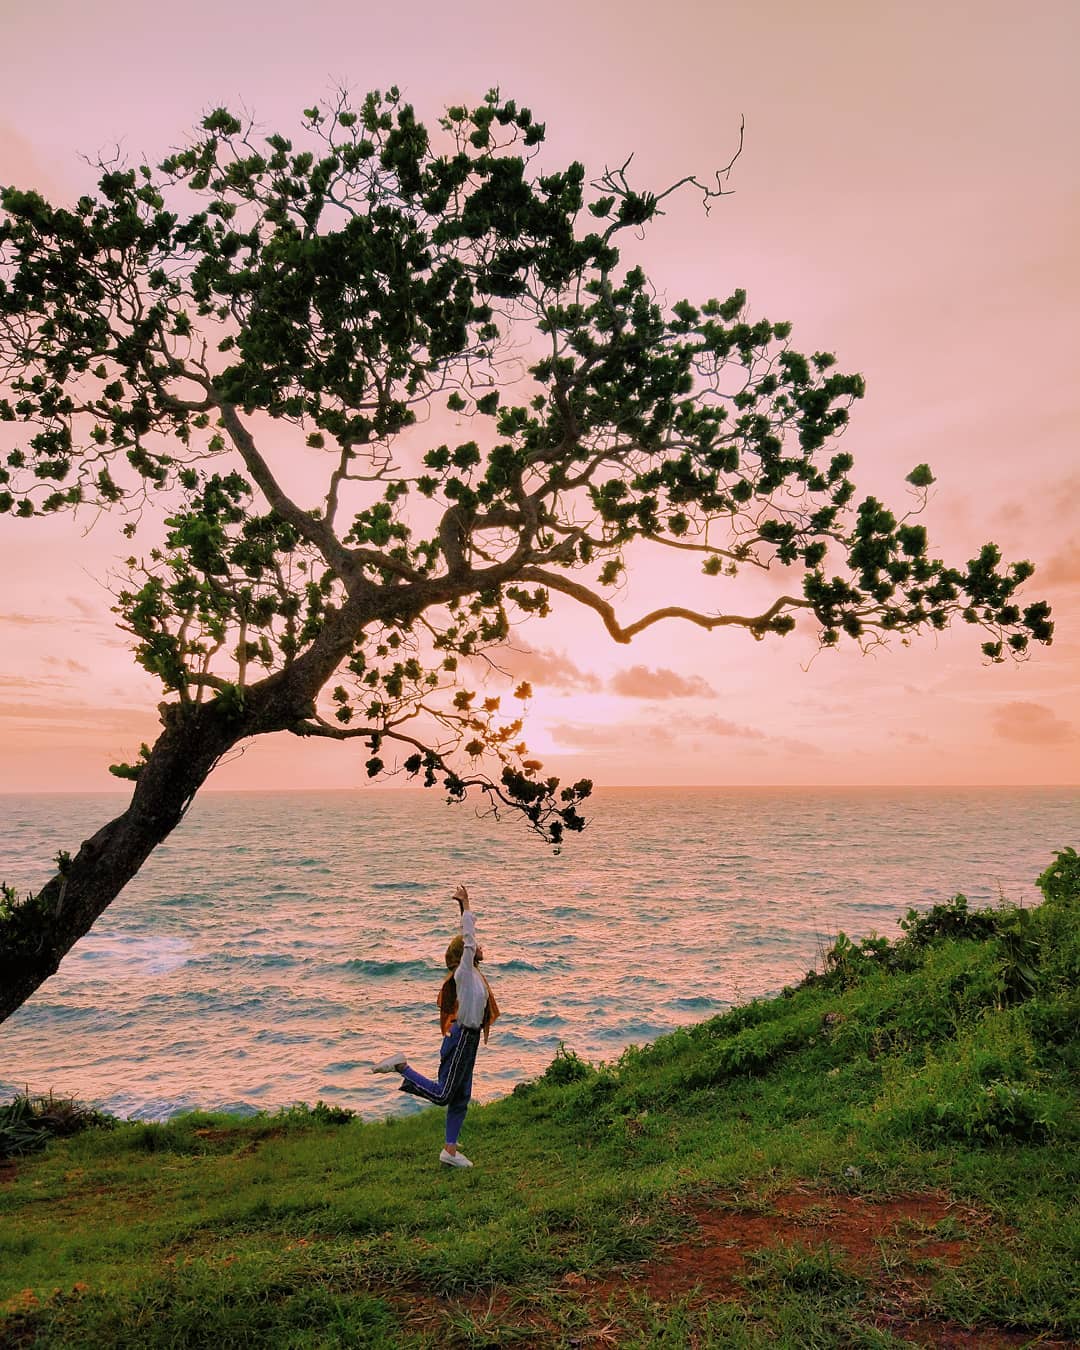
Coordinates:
[908,197]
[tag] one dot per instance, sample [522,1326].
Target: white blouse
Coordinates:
[471,990]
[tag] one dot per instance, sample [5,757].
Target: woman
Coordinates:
[467,1008]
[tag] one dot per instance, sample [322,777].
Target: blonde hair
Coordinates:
[454,952]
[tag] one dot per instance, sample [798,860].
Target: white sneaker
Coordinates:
[391,1064]
[454,1159]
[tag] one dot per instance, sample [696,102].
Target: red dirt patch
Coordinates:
[881,1240]
[7,1171]
[855,1227]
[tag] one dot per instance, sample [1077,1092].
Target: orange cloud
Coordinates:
[694,732]
[1063,569]
[587,736]
[540,665]
[66,663]
[1031,724]
[58,718]
[29,620]
[720,726]
[641,682]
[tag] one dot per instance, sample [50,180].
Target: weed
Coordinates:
[27,1122]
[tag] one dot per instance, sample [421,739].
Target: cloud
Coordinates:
[713,725]
[694,732]
[27,620]
[34,620]
[587,736]
[1063,569]
[55,717]
[85,608]
[1031,724]
[641,682]
[720,726]
[553,669]
[66,663]
[910,737]
[1056,498]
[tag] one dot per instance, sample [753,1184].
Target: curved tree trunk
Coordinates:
[46,927]
[193,741]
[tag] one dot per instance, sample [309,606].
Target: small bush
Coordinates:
[951,920]
[567,1067]
[322,1113]
[1060,883]
[27,1123]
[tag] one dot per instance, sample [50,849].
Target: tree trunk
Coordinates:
[49,925]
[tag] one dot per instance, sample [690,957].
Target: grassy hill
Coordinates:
[885,1155]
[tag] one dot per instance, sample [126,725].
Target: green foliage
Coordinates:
[567,1067]
[23,925]
[847,962]
[27,1122]
[950,920]
[961,1095]
[1060,883]
[132,771]
[322,1113]
[802,1269]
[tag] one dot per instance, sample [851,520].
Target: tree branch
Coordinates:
[309,527]
[758,625]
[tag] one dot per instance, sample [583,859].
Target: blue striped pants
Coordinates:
[454,1086]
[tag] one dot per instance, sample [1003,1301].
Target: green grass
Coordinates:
[932,1064]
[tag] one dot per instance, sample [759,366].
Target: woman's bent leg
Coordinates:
[426,1086]
[455,1069]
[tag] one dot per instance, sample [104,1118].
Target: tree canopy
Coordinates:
[183,348]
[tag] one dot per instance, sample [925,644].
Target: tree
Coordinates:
[173,346]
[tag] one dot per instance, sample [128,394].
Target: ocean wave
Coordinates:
[137,955]
[699,1004]
[574,912]
[406,966]
[252,960]
[631,1032]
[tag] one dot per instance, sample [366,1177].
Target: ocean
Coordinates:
[278,944]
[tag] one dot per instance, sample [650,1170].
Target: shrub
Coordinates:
[1060,883]
[951,920]
[27,1123]
[1021,952]
[847,963]
[567,1067]
[322,1113]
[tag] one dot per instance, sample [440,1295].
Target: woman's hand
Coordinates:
[461,895]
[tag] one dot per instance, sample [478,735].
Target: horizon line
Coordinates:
[605,787]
